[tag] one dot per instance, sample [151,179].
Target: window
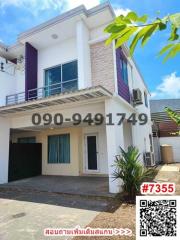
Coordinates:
[61,78]
[27,140]
[145,99]
[59,148]
[124,70]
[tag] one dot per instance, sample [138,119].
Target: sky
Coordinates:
[163,79]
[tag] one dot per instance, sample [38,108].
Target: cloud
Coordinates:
[121,11]
[20,15]
[33,5]
[61,5]
[88,3]
[39,5]
[169,88]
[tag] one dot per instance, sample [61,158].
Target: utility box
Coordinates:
[167,154]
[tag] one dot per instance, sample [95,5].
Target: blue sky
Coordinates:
[163,80]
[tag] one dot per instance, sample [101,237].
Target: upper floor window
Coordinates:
[145,99]
[61,78]
[124,70]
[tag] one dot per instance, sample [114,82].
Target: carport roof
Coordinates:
[63,98]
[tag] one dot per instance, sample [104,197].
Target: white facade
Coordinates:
[80,31]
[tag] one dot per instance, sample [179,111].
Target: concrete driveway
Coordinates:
[169,173]
[24,215]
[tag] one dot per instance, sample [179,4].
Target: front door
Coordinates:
[91,152]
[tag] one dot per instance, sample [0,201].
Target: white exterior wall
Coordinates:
[83,51]
[11,81]
[55,55]
[7,81]
[115,139]
[76,48]
[20,81]
[98,33]
[127,133]
[25,120]
[4,149]
[140,132]
[175,143]
[119,136]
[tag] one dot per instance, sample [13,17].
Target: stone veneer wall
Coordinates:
[102,65]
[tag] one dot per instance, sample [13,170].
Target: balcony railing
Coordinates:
[42,92]
[15,98]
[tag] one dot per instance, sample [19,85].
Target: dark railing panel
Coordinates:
[15,98]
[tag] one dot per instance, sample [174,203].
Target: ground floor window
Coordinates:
[27,140]
[59,148]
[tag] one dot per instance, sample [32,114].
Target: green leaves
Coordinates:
[125,36]
[132,16]
[174,36]
[127,28]
[148,33]
[173,49]
[137,37]
[112,28]
[173,115]
[175,19]
[131,171]
[143,19]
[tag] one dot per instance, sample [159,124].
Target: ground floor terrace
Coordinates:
[68,149]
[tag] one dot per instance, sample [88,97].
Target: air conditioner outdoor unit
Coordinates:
[137,96]
[149,160]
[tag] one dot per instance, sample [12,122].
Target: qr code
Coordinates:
[157,217]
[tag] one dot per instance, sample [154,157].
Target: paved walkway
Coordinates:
[23,216]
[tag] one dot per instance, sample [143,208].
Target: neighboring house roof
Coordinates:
[157,107]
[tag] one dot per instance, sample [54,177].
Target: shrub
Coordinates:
[131,171]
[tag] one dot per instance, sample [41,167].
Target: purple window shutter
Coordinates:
[123,88]
[31,65]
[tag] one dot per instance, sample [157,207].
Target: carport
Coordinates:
[71,185]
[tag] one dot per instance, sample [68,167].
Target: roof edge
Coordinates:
[65,16]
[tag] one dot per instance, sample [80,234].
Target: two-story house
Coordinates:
[61,86]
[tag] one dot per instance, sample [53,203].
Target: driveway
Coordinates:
[169,173]
[85,186]
[25,214]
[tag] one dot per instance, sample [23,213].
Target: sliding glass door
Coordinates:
[53,81]
[62,78]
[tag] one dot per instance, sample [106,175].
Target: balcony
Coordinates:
[42,92]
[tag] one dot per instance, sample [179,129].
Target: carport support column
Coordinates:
[4,149]
[114,136]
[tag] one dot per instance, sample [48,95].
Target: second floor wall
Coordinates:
[80,61]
